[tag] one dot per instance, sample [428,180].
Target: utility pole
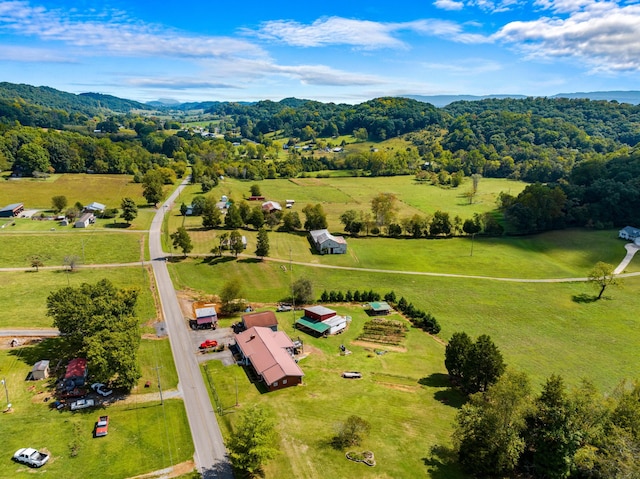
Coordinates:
[4,383]
[293,297]
[157,368]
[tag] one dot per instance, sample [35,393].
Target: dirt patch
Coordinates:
[175,471]
[308,349]
[385,347]
[5,342]
[399,387]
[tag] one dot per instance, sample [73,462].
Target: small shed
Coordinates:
[271,206]
[336,324]
[12,210]
[206,315]
[40,370]
[95,207]
[379,308]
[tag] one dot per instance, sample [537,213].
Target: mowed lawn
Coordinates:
[88,246]
[143,435]
[541,328]
[403,395]
[23,295]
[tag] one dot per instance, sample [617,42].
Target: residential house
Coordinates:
[629,233]
[40,370]
[12,210]
[206,315]
[263,319]
[95,207]
[270,354]
[85,220]
[271,206]
[326,243]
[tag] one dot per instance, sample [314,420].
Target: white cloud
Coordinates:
[604,36]
[363,34]
[449,4]
[29,54]
[177,83]
[112,34]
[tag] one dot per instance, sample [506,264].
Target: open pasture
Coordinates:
[403,395]
[106,189]
[23,295]
[541,328]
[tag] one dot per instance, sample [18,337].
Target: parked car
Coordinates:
[352,375]
[102,427]
[209,343]
[82,404]
[283,307]
[101,389]
[31,457]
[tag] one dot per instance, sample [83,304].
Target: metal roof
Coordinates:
[314,325]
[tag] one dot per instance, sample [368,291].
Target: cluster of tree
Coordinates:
[420,319]
[355,296]
[97,322]
[509,431]
[473,366]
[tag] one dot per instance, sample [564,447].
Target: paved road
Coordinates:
[210,454]
[27,333]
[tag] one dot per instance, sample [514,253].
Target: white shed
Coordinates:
[40,370]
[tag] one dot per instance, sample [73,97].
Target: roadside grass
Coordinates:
[143,436]
[156,353]
[141,222]
[88,246]
[402,395]
[106,189]
[24,293]
[541,328]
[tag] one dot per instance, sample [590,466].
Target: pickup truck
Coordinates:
[31,457]
[102,427]
[82,404]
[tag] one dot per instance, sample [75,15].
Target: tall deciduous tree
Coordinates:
[351,432]
[456,355]
[602,276]
[484,365]
[182,240]
[152,187]
[233,219]
[316,219]
[235,243]
[211,216]
[488,432]
[262,243]
[129,210]
[59,203]
[302,291]
[97,321]
[384,207]
[253,441]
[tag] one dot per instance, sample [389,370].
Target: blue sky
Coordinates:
[327,51]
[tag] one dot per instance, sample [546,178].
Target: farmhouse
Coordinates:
[321,321]
[629,233]
[326,243]
[263,319]
[85,220]
[271,206]
[379,308]
[270,354]
[40,370]
[206,315]
[76,373]
[10,211]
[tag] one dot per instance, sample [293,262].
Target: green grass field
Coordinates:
[143,435]
[106,189]
[403,395]
[24,294]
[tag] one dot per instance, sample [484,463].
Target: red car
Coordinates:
[209,343]
[102,427]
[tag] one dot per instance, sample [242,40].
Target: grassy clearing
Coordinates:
[539,327]
[89,246]
[403,395]
[24,294]
[143,436]
[106,189]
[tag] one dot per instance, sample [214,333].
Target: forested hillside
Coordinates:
[581,156]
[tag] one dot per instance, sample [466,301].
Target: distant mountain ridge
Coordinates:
[632,97]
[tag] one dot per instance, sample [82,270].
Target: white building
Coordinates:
[326,243]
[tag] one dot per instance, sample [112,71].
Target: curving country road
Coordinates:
[210,453]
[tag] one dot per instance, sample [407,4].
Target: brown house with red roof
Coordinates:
[270,354]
